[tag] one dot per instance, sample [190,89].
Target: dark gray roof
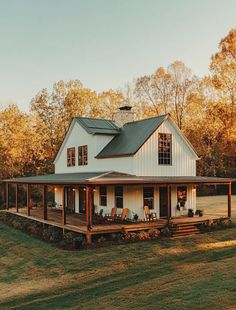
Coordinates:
[132,136]
[58,178]
[98,126]
[114,177]
[133,179]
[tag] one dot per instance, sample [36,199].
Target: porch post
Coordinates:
[229,198]
[17,206]
[169,202]
[63,207]
[87,206]
[7,196]
[28,198]
[44,202]
[88,213]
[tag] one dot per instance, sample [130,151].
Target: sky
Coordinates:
[103,43]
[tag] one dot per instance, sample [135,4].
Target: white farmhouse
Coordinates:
[153,148]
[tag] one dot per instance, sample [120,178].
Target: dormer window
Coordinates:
[83,155]
[71,157]
[165,149]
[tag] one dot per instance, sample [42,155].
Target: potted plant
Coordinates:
[190,213]
[199,212]
[135,217]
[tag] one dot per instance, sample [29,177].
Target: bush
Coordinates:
[218,224]
[72,239]
[52,234]
[166,232]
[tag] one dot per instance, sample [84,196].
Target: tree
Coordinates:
[223,69]
[19,143]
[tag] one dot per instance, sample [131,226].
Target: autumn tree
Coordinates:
[168,91]
[223,69]
[20,145]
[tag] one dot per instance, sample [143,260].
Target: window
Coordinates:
[71,157]
[119,196]
[182,195]
[165,149]
[83,155]
[148,197]
[103,195]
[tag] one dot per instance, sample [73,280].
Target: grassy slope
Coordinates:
[195,272]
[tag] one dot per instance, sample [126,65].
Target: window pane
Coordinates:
[148,197]
[164,149]
[119,202]
[182,195]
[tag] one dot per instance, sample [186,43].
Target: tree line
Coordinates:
[204,108]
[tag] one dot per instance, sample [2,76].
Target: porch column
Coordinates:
[229,198]
[63,207]
[7,196]
[169,201]
[28,198]
[44,202]
[17,206]
[88,207]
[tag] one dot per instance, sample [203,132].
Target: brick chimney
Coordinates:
[124,115]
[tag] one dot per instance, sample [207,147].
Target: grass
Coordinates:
[216,205]
[196,272]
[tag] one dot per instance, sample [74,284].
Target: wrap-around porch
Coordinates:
[88,220]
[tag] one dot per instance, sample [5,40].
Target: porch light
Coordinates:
[73,189]
[94,190]
[55,189]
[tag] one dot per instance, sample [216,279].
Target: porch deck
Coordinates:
[77,222]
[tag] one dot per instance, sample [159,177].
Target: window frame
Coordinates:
[119,197]
[83,153]
[165,156]
[179,189]
[71,157]
[151,197]
[103,196]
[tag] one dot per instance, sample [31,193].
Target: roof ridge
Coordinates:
[149,118]
[93,118]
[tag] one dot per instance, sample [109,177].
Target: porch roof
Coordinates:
[113,177]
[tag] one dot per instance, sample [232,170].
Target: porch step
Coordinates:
[186,229]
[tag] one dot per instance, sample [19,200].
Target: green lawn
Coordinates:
[216,205]
[196,272]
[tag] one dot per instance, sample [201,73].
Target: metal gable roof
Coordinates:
[132,136]
[58,178]
[98,126]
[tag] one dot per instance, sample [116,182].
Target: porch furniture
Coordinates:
[112,216]
[150,216]
[121,217]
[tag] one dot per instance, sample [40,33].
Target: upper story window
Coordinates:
[165,149]
[119,196]
[82,155]
[71,157]
[103,195]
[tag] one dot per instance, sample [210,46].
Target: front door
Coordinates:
[70,200]
[163,201]
[82,200]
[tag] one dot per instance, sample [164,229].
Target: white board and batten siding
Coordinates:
[183,160]
[143,163]
[78,137]
[133,200]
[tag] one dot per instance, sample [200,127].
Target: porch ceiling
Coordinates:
[112,177]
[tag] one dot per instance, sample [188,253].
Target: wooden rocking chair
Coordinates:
[150,216]
[112,216]
[121,217]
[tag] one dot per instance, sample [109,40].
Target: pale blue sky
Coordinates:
[103,43]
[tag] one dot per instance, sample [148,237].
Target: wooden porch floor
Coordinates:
[77,223]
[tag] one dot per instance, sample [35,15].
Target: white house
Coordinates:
[124,164]
[137,152]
